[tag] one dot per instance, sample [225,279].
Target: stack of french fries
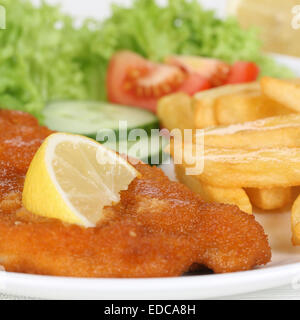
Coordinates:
[251,144]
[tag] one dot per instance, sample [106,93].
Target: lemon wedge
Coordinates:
[72,178]
[273,18]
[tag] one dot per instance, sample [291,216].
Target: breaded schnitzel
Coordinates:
[159,228]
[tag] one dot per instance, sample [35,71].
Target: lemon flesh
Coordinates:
[72,178]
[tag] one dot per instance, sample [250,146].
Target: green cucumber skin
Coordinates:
[148,160]
[151,121]
[156,153]
[145,120]
[147,128]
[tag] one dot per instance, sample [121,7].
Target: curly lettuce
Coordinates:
[44,57]
[184,27]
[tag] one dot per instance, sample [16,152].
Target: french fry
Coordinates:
[219,106]
[228,89]
[296,222]
[235,196]
[284,92]
[271,198]
[204,113]
[204,102]
[175,111]
[239,168]
[264,133]
[246,106]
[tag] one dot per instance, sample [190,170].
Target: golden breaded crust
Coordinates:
[159,228]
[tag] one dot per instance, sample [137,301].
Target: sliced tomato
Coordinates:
[133,80]
[243,72]
[195,83]
[216,71]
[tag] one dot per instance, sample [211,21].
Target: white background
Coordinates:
[100,9]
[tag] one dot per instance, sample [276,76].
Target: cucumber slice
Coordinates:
[88,117]
[149,149]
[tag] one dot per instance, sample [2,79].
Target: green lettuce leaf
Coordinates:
[44,57]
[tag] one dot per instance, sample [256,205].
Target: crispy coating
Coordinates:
[159,228]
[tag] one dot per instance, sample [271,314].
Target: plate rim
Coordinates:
[43,286]
[202,286]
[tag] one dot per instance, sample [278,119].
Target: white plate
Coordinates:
[284,269]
